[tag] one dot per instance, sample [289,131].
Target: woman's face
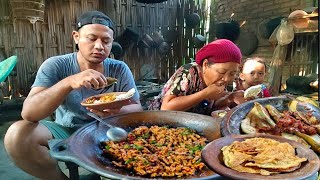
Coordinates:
[219,73]
[253,73]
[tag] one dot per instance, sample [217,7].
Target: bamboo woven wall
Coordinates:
[33,43]
[150,18]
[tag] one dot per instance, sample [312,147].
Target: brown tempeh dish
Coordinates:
[158,151]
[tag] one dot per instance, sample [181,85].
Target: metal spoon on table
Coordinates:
[113,133]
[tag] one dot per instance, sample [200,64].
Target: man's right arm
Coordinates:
[42,102]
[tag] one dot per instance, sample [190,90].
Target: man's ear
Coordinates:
[76,36]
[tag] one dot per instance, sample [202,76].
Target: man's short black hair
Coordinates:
[94,17]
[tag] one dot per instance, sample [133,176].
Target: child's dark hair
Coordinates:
[257,59]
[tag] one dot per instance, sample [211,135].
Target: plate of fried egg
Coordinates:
[260,156]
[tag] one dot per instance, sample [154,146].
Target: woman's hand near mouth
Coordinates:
[214,91]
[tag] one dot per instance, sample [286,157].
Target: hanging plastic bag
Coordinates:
[285,33]
[273,39]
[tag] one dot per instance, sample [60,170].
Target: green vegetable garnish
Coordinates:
[145,136]
[145,162]
[128,161]
[198,161]
[186,131]
[196,148]
[107,147]
[138,147]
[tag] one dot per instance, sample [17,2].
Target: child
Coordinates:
[252,73]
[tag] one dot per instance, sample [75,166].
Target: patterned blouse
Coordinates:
[185,81]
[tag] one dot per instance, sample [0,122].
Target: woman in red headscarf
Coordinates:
[196,87]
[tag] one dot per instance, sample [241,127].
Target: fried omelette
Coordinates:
[261,156]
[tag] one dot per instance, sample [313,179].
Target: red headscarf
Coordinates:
[219,51]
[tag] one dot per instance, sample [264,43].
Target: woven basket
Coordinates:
[32,10]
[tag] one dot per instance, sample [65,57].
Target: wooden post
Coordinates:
[275,72]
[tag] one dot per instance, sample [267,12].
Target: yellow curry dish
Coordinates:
[103,99]
[110,97]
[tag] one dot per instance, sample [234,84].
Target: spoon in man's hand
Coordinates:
[113,133]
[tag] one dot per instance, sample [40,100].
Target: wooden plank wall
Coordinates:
[33,43]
